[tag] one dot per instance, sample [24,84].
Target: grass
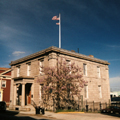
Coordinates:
[61,110]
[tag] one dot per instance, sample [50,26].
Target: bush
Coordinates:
[61,110]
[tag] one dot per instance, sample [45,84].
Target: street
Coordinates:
[13,115]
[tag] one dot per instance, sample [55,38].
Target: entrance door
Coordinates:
[29,97]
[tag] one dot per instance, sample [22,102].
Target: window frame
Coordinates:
[28,69]
[18,71]
[100,91]
[68,65]
[4,83]
[41,66]
[41,92]
[86,91]
[84,69]
[98,71]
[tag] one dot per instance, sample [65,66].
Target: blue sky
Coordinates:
[93,26]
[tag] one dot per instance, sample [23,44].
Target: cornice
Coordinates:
[22,77]
[60,51]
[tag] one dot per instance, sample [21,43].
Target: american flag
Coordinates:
[57,23]
[55,18]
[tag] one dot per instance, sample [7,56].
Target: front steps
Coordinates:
[28,107]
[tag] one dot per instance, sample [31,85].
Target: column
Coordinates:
[23,94]
[14,101]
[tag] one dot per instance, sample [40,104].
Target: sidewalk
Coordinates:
[27,112]
[71,115]
[63,115]
[23,112]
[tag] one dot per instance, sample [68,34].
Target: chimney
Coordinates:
[91,56]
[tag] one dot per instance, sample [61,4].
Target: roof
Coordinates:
[1,68]
[4,72]
[60,51]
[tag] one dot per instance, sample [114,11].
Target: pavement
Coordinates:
[78,116]
[74,115]
[82,116]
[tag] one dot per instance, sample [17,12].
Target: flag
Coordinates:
[57,23]
[55,18]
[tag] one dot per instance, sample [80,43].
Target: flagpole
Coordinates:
[59,30]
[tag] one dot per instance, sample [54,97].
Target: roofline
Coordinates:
[3,68]
[58,50]
[5,71]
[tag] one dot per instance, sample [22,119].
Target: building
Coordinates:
[115,94]
[25,72]
[5,82]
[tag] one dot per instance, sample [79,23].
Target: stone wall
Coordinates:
[92,76]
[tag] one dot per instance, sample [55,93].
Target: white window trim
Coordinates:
[18,71]
[86,91]
[28,69]
[41,66]
[85,69]
[1,93]
[40,92]
[98,71]
[3,82]
[100,91]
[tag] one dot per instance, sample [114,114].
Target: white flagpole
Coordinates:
[59,30]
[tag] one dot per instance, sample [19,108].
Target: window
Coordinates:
[68,90]
[85,69]
[100,93]
[41,66]
[98,71]
[107,74]
[18,71]
[28,69]
[68,64]
[86,91]
[3,84]
[40,91]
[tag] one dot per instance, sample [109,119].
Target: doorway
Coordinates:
[28,93]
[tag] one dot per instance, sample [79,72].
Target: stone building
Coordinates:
[25,90]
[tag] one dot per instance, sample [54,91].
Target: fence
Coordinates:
[93,106]
[78,105]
